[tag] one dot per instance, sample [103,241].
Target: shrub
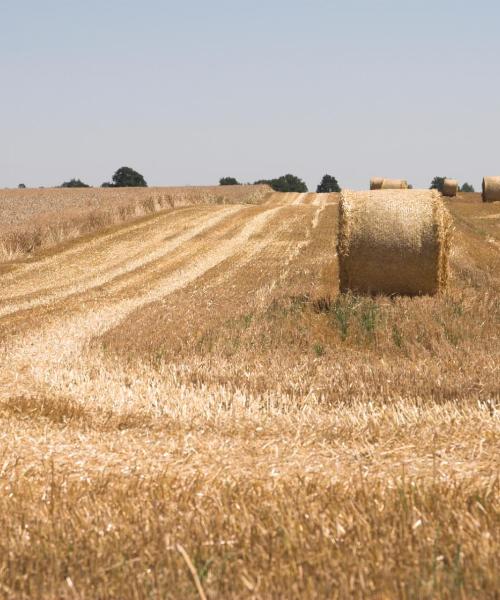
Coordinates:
[285,183]
[228,181]
[74,183]
[437,183]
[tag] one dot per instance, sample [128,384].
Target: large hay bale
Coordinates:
[376,183]
[394,184]
[491,189]
[396,242]
[450,188]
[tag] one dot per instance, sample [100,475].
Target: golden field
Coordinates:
[35,219]
[189,409]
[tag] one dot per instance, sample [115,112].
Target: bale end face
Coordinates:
[491,189]
[396,243]
[450,188]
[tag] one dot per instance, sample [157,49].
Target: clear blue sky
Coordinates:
[189,91]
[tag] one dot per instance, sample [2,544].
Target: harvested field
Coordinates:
[31,219]
[189,408]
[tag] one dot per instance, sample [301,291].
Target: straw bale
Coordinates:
[396,242]
[376,183]
[491,189]
[394,184]
[450,187]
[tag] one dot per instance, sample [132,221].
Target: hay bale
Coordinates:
[394,184]
[376,183]
[396,242]
[450,188]
[491,189]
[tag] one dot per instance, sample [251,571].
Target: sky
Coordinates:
[189,91]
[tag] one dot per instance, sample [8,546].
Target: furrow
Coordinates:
[50,356]
[107,274]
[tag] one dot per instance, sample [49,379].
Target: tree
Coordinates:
[437,183]
[289,183]
[21,186]
[228,181]
[127,177]
[285,183]
[328,184]
[74,183]
[467,188]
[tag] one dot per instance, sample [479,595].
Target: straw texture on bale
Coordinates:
[376,183]
[394,184]
[396,242]
[450,187]
[491,189]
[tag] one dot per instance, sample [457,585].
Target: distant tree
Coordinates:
[107,184]
[289,183]
[410,187]
[437,183]
[74,183]
[285,183]
[228,181]
[328,184]
[127,177]
[467,187]
[21,186]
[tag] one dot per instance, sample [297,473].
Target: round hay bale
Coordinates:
[491,189]
[376,183]
[394,184]
[450,188]
[396,242]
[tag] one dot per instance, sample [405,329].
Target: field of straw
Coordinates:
[190,409]
[33,219]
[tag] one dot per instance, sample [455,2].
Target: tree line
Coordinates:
[127,177]
[328,184]
[123,177]
[290,183]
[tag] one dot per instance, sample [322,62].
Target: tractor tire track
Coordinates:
[104,268]
[49,357]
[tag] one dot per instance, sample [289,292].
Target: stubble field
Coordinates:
[36,219]
[189,409]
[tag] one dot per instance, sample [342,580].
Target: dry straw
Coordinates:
[394,184]
[376,183]
[395,242]
[450,187]
[491,189]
